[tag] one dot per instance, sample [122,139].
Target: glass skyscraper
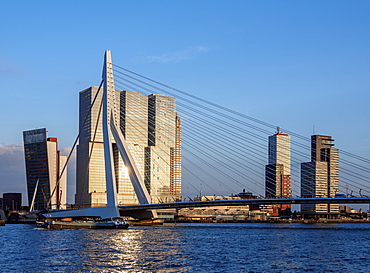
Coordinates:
[44,165]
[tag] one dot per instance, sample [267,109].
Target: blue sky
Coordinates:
[303,65]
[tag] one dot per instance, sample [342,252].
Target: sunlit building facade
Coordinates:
[277,172]
[320,177]
[152,132]
[162,121]
[134,127]
[175,167]
[90,175]
[277,178]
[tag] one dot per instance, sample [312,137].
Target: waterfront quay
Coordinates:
[275,221]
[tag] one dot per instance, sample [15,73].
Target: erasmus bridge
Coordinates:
[222,151]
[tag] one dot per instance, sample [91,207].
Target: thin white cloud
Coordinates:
[12,170]
[183,55]
[8,68]
[11,149]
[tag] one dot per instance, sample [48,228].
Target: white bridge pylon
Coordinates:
[110,129]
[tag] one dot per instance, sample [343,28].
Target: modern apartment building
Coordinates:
[320,177]
[152,132]
[44,165]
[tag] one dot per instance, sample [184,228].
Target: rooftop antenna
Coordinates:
[278,130]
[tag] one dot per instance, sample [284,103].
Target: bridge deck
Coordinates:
[242,202]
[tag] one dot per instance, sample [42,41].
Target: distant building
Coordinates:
[152,131]
[277,182]
[246,195]
[225,213]
[12,201]
[44,165]
[277,177]
[320,178]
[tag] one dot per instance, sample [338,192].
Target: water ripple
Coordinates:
[188,248]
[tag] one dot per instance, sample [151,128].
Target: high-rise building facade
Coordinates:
[162,126]
[44,165]
[90,172]
[134,127]
[175,167]
[277,178]
[277,172]
[152,132]
[320,177]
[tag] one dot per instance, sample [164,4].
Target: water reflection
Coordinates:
[57,249]
[133,250]
[188,248]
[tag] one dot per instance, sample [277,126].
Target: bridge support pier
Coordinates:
[140,214]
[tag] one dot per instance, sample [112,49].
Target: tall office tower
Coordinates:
[162,127]
[320,177]
[277,179]
[90,184]
[148,124]
[175,167]
[134,127]
[44,166]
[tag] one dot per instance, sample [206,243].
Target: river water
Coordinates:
[188,248]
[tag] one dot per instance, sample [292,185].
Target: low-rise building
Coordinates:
[12,201]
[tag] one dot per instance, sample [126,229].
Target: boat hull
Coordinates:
[58,225]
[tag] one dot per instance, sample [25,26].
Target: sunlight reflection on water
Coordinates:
[133,250]
[188,248]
